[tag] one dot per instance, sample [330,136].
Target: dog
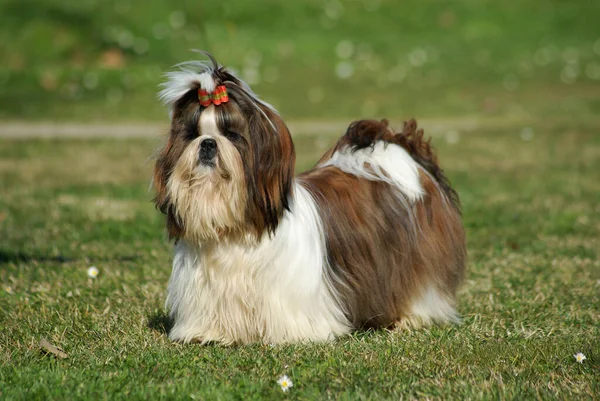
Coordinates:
[371,237]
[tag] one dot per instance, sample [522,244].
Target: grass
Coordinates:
[98,60]
[518,80]
[530,300]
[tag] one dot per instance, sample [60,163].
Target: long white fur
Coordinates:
[387,162]
[432,307]
[278,291]
[189,75]
[192,74]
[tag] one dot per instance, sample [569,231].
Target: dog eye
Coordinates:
[232,136]
[191,130]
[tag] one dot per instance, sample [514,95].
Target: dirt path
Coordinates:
[26,130]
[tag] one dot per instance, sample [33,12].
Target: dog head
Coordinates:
[227,166]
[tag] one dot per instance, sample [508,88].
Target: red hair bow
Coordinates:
[218,96]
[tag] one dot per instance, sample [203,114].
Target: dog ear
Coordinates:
[271,172]
[162,169]
[168,157]
[160,178]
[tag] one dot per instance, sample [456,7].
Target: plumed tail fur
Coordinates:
[365,133]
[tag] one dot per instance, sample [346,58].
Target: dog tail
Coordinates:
[365,133]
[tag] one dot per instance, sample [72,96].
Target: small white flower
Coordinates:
[8,289]
[579,357]
[92,272]
[285,382]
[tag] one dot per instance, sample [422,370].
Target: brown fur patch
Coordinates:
[384,254]
[268,154]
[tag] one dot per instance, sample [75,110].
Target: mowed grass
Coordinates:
[530,299]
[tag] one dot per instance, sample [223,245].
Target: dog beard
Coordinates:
[209,198]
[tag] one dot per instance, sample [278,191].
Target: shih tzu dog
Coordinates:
[370,237]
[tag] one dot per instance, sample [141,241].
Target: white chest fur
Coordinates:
[277,291]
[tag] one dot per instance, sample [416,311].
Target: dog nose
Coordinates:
[208,149]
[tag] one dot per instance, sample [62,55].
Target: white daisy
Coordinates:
[579,357]
[285,382]
[92,272]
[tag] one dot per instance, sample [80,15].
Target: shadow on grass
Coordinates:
[10,256]
[160,322]
[7,256]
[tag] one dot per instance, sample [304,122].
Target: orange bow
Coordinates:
[218,96]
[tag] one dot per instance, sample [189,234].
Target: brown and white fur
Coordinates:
[370,237]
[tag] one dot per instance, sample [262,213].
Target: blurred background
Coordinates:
[93,60]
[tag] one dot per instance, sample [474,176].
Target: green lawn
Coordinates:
[530,300]
[511,91]
[98,60]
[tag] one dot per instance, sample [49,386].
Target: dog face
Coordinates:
[226,170]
